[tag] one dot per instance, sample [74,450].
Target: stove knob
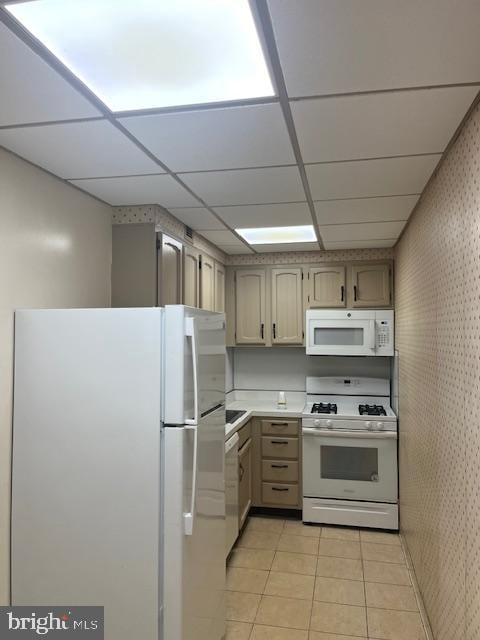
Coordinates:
[329,423]
[369,424]
[317,423]
[380,425]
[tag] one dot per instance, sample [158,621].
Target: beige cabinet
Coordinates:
[207,283]
[219,287]
[326,286]
[250,306]
[191,276]
[286,310]
[370,285]
[244,481]
[169,271]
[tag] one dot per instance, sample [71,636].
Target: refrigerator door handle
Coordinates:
[189,517]
[191,332]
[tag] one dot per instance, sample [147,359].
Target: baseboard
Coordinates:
[418,593]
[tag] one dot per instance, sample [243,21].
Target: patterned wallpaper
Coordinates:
[438,337]
[300,257]
[167,222]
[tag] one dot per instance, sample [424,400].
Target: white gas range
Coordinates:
[350,453]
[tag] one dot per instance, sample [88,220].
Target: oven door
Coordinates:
[341,337]
[350,465]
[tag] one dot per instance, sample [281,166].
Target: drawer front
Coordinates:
[244,434]
[279,447]
[280,470]
[280,427]
[280,494]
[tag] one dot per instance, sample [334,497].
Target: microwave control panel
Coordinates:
[384,331]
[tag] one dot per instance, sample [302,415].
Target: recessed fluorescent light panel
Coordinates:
[278,235]
[143,54]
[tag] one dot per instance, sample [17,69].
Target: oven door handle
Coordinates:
[361,435]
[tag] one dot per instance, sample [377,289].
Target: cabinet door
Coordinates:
[287,312]
[219,287]
[370,285]
[326,286]
[170,272]
[244,482]
[207,283]
[191,277]
[250,306]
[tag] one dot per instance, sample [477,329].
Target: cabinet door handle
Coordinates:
[279,441]
[261,330]
[342,291]
[279,466]
[280,489]
[274,330]
[241,471]
[355,292]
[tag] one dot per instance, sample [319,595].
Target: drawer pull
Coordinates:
[280,424]
[279,466]
[280,489]
[279,441]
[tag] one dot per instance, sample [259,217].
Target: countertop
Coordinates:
[262,403]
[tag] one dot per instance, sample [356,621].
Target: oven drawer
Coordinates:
[279,447]
[280,427]
[280,470]
[280,494]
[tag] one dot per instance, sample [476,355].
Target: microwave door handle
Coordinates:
[189,516]
[191,332]
[371,335]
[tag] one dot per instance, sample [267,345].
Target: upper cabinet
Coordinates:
[371,285]
[250,306]
[191,276]
[207,283]
[326,286]
[287,308]
[169,271]
[219,287]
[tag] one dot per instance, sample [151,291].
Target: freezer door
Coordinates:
[87,446]
[195,530]
[194,363]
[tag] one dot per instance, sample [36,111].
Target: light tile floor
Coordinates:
[289,581]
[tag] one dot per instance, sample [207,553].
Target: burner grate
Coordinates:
[324,407]
[371,410]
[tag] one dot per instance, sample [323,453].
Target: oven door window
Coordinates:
[349,463]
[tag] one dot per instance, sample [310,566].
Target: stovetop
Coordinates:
[349,407]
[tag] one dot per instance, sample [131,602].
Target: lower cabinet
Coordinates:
[244,473]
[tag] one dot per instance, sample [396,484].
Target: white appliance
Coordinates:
[349,333]
[350,453]
[231,491]
[118,467]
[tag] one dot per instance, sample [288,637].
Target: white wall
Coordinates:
[286,369]
[55,251]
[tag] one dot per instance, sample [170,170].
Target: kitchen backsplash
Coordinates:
[285,369]
[438,339]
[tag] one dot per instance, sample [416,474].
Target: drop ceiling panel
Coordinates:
[235,249]
[162,190]
[293,246]
[222,237]
[247,186]
[266,215]
[197,218]
[336,47]
[365,210]
[368,178]
[79,149]
[362,231]
[230,138]
[361,244]
[31,91]
[379,125]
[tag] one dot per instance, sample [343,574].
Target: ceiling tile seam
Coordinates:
[255,204]
[128,175]
[368,92]
[46,123]
[369,159]
[37,47]
[345,224]
[223,170]
[265,24]
[389,195]
[359,240]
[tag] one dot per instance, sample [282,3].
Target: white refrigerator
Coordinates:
[118,495]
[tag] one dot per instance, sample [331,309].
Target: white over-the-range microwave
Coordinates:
[331,332]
